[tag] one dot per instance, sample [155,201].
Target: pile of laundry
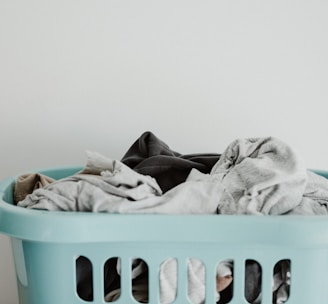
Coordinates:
[259,176]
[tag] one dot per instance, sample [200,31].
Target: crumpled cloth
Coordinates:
[261,176]
[253,176]
[265,176]
[119,189]
[315,197]
[149,155]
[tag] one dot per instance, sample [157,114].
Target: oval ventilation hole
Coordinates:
[112,279]
[253,281]
[224,281]
[196,280]
[168,271]
[84,278]
[140,283]
[281,281]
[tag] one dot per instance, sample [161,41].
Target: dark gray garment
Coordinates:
[149,155]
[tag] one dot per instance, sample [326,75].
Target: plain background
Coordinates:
[80,75]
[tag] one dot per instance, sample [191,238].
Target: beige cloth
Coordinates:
[27,183]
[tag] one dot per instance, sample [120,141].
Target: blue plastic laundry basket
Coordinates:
[46,246]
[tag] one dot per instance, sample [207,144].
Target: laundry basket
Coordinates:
[46,246]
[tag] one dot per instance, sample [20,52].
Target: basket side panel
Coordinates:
[49,273]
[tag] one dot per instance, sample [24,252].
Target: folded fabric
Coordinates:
[149,155]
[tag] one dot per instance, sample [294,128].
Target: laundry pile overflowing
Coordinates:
[258,176]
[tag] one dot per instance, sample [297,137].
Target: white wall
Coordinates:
[80,74]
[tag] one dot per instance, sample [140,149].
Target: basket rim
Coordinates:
[227,230]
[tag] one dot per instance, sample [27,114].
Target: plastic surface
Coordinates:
[46,244]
